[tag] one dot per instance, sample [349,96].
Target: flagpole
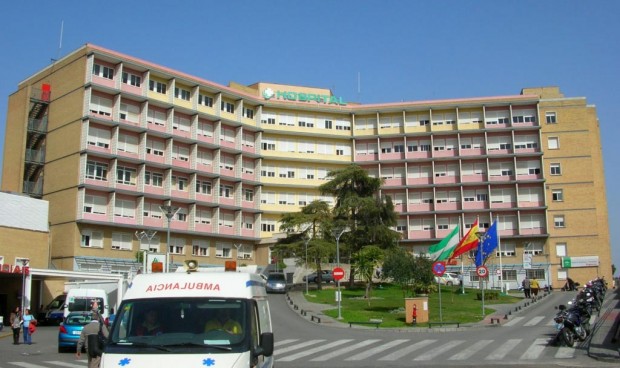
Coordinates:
[462,261]
[499,245]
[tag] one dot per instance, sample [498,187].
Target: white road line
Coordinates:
[513,321]
[534,350]
[534,321]
[313,350]
[27,365]
[407,350]
[284,342]
[564,352]
[377,350]
[439,350]
[344,350]
[295,347]
[504,349]
[471,350]
[69,365]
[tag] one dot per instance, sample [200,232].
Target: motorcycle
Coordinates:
[572,323]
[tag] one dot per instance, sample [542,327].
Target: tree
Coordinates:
[613,270]
[365,262]
[307,227]
[358,205]
[398,266]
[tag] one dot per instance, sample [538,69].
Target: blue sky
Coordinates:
[402,50]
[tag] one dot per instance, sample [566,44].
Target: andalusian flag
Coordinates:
[442,250]
[469,242]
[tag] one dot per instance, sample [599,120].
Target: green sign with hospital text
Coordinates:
[269,93]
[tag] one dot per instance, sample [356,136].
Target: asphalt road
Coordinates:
[523,341]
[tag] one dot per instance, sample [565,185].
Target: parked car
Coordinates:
[70,330]
[326,276]
[276,283]
[448,278]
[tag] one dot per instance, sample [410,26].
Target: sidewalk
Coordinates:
[603,344]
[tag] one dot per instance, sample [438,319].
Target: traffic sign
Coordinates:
[482,271]
[338,273]
[439,268]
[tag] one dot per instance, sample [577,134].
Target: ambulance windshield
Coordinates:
[181,324]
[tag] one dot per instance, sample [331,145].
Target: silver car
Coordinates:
[276,283]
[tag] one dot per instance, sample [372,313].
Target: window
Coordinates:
[127,143]
[103,71]
[556,169]
[95,204]
[226,219]
[179,183]
[203,187]
[205,129]
[248,113]
[203,216]
[181,215]
[151,210]
[244,252]
[153,179]
[200,248]
[177,245]
[509,275]
[223,250]
[180,153]
[181,123]
[92,239]
[181,93]
[534,249]
[248,222]
[205,100]
[560,249]
[248,195]
[96,170]
[125,175]
[268,171]
[156,117]
[154,148]
[132,79]
[553,143]
[121,241]
[558,221]
[551,118]
[557,195]
[125,208]
[268,145]
[535,273]
[328,124]
[508,250]
[98,137]
[129,112]
[226,191]
[228,107]
[268,226]
[157,86]
[100,105]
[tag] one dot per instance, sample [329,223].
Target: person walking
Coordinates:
[91,328]
[16,324]
[526,287]
[28,319]
[535,286]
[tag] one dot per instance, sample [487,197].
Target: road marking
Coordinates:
[534,350]
[314,350]
[470,350]
[534,321]
[439,350]
[344,350]
[28,365]
[513,321]
[501,352]
[377,350]
[407,350]
[564,352]
[284,342]
[298,346]
[70,365]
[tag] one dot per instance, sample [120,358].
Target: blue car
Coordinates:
[70,330]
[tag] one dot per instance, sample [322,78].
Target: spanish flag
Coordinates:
[470,241]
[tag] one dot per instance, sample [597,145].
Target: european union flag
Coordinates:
[489,241]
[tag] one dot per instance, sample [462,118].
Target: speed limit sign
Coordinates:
[482,271]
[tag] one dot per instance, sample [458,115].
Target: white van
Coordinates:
[55,310]
[82,300]
[165,320]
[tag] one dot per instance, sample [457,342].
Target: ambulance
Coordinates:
[190,319]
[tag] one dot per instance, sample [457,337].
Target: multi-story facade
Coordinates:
[109,139]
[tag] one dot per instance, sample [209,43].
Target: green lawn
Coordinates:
[388,303]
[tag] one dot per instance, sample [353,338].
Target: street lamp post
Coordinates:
[148,234]
[306,246]
[481,236]
[25,262]
[169,211]
[338,233]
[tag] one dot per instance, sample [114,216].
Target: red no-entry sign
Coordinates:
[338,273]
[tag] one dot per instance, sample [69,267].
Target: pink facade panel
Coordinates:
[419,154]
[499,152]
[99,183]
[393,156]
[501,178]
[204,168]
[477,178]
[202,138]
[445,153]
[417,181]
[180,163]
[131,89]
[128,154]
[529,177]
[179,225]
[155,158]
[127,187]
[361,158]
[446,179]
[422,207]
[248,233]
[472,152]
[475,205]
[150,221]
[227,201]
[125,220]
[103,81]
[502,205]
[157,127]
[228,144]
[204,197]
[538,231]
[180,193]
[531,204]
[247,176]
[421,234]
[226,230]
[94,216]
[153,190]
[99,149]
[394,181]
[248,149]
[205,228]
[450,206]
[508,232]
